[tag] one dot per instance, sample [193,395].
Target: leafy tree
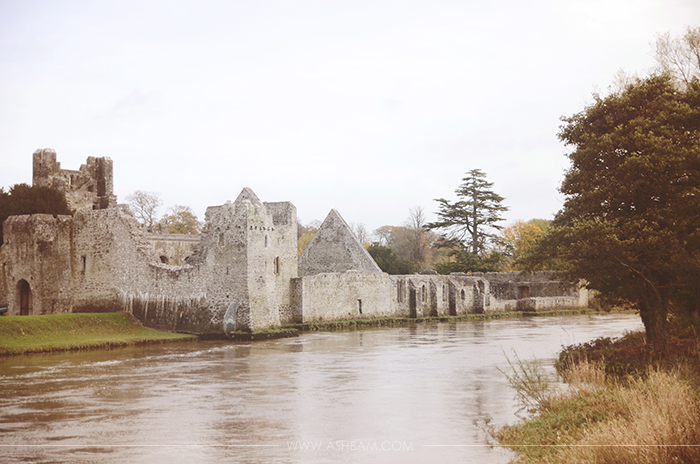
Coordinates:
[305,234]
[470,220]
[389,262]
[23,199]
[543,224]
[516,239]
[631,216]
[145,205]
[181,220]
[411,242]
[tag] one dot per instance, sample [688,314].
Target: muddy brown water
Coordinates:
[389,395]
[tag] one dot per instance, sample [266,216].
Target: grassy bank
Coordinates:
[60,332]
[624,404]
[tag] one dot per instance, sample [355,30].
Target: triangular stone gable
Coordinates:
[248,194]
[335,248]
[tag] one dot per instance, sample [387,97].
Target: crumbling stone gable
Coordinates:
[91,187]
[335,248]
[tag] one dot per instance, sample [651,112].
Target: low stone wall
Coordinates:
[547,303]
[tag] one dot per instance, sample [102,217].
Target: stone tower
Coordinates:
[252,252]
[91,187]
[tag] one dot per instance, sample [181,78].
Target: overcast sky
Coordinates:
[368,107]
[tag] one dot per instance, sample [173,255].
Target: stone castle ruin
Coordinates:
[240,274]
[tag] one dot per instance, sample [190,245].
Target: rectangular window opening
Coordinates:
[276,265]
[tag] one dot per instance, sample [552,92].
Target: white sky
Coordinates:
[369,107]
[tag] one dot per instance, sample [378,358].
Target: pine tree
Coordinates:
[472,220]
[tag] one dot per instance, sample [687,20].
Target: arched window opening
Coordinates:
[461,294]
[422,293]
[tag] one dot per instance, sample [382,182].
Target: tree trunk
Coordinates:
[654,313]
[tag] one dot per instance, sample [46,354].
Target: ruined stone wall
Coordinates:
[342,296]
[432,295]
[337,296]
[36,250]
[117,270]
[90,187]
[173,249]
[515,291]
[420,295]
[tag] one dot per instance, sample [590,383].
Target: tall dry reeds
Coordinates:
[648,419]
[661,425]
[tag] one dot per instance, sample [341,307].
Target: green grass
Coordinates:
[61,332]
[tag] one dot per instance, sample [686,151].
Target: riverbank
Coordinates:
[624,404]
[64,332]
[353,324]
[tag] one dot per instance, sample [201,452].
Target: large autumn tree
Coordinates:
[631,216]
[181,220]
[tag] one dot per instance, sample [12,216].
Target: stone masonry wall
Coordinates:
[116,269]
[173,249]
[342,296]
[36,250]
[91,187]
[283,242]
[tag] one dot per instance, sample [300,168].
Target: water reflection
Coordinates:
[379,395]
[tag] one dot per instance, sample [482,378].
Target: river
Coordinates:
[389,395]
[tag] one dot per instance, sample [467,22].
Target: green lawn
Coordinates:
[60,332]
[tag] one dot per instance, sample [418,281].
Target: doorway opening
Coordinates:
[25,298]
